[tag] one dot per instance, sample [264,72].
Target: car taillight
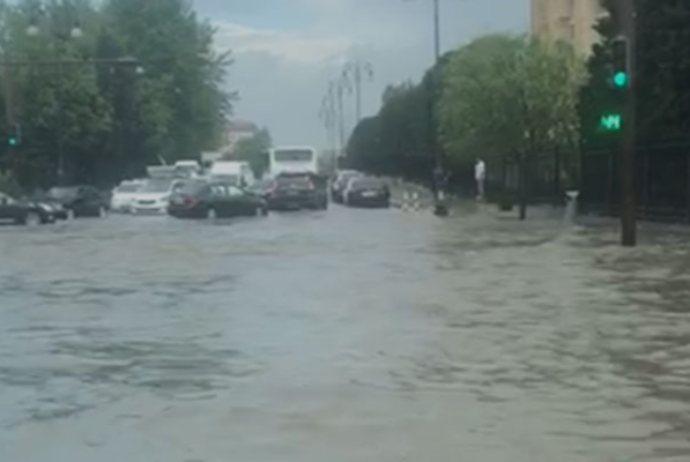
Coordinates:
[190,201]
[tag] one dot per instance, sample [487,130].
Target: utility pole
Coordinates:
[358,71]
[628,156]
[437,30]
[342,85]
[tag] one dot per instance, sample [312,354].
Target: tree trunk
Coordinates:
[523,186]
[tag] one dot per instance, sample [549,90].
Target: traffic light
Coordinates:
[612,122]
[14,136]
[619,76]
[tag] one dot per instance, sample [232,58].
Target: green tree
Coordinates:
[510,96]
[142,83]
[398,140]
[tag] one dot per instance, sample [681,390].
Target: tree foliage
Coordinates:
[506,95]
[398,140]
[159,95]
[498,96]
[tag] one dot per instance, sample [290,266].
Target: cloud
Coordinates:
[302,48]
[287,50]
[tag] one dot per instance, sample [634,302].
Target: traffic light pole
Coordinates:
[628,145]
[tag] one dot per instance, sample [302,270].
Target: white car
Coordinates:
[154,196]
[124,196]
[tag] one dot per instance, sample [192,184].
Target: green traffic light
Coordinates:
[620,79]
[12,141]
[611,122]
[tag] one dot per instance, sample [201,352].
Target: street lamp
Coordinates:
[439,175]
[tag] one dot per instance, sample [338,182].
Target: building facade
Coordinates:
[568,20]
[237,131]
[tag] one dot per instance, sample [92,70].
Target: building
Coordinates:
[569,20]
[237,131]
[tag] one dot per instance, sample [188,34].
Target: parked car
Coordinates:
[124,195]
[23,212]
[367,192]
[80,201]
[298,191]
[262,188]
[204,199]
[340,182]
[154,196]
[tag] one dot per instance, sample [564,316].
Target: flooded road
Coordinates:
[351,335]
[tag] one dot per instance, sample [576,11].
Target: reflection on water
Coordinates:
[348,335]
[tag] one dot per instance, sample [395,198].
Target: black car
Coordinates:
[298,191]
[81,201]
[262,188]
[23,212]
[340,183]
[202,199]
[367,192]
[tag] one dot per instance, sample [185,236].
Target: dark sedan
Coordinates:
[201,199]
[367,192]
[80,201]
[22,212]
[340,183]
[298,192]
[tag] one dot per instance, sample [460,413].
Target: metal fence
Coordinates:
[550,176]
[662,182]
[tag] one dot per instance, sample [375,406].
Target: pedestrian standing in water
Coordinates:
[480,178]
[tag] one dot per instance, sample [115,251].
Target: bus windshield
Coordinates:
[293,155]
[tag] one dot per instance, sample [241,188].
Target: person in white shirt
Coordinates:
[480,178]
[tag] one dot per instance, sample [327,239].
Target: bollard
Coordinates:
[415,201]
[571,207]
[405,202]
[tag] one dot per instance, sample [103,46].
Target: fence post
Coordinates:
[645,184]
[687,183]
[611,183]
[557,176]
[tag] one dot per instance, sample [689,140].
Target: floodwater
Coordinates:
[351,335]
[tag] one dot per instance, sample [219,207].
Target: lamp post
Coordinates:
[439,176]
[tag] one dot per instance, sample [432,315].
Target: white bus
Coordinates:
[293,159]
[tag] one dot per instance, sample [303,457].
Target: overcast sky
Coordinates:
[286,51]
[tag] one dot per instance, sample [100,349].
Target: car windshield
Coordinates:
[294,155]
[128,188]
[367,184]
[157,186]
[190,187]
[226,178]
[289,182]
[62,193]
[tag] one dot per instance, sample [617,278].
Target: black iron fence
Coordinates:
[550,176]
[662,182]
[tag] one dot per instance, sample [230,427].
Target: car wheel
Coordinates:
[32,219]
